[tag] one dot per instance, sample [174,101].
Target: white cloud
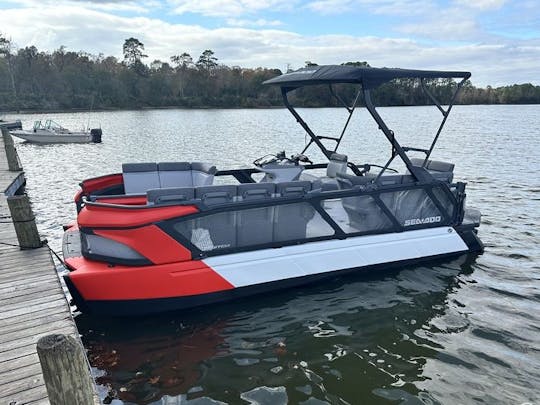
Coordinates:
[229,8]
[327,7]
[483,5]
[261,22]
[134,6]
[448,30]
[96,32]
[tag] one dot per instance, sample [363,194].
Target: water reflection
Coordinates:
[455,337]
[353,337]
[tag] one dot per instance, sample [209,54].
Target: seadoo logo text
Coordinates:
[418,221]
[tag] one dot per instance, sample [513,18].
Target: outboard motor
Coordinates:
[96,135]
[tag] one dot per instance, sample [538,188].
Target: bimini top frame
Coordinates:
[368,78]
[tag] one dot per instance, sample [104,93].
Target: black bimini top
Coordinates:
[368,77]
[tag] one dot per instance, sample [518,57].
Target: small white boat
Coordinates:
[51,132]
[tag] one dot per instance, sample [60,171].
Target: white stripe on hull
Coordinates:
[262,266]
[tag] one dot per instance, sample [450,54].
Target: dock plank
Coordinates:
[32,305]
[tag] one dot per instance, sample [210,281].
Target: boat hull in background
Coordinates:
[36,137]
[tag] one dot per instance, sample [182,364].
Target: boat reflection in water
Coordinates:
[355,337]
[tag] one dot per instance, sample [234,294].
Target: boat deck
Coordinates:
[32,305]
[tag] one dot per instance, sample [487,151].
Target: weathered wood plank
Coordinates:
[29,316]
[23,276]
[26,390]
[34,322]
[12,365]
[32,303]
[31,396]
[57,304]
[19,338]
[20,373]
[30,289]
[28,349]
[24,384]
[10,284]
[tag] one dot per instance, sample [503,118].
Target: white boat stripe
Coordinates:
[261,266]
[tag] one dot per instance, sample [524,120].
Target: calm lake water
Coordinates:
[461,331]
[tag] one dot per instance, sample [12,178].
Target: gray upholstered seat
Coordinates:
[175,174]
[185,174]
[255,225]
[346,180]
[439,170]
[220,227]
[395,179]
[140,177]
[364,214]
[337,165]
[290,220]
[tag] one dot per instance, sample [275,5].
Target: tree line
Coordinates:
[61,80]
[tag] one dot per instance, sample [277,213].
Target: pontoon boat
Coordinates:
[162,236]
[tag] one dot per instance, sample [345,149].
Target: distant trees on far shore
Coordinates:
[63,80]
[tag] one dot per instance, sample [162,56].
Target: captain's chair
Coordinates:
[337,165]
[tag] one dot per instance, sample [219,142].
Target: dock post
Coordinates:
[24,222]
[14,164]
[65,370]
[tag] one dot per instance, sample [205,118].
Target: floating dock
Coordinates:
[32,302]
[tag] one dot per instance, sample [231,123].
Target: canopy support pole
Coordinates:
[444,112]
[419,173]
[350,110]
[314,138]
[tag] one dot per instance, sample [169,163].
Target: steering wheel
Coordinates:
[300,158]
[366,168]
[281,157]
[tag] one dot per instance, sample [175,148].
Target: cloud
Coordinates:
[229,8]
[327,7]
[261,22]
[481,4]
[94,31]
[445,29]
[134,6]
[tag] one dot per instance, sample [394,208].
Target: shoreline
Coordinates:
[113,109]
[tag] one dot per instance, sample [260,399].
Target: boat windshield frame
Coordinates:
[367,78]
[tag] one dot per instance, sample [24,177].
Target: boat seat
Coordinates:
[185,174]
[346,180]
[365,214]
[140,177]
[170,195]
[395,179]
[337,165]
[290,220]
[439,170]
[218,230]
[255,225]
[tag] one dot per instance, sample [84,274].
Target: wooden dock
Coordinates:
[32,304]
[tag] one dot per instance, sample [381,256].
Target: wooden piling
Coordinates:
[14,163]
[23,219]
[65,370]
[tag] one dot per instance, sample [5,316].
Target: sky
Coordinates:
[497,40]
